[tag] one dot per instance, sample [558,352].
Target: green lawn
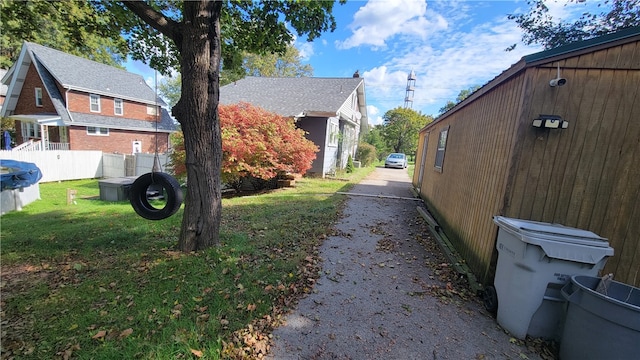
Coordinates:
[93,280]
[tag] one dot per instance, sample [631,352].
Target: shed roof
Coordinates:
[559,53]
[289,96]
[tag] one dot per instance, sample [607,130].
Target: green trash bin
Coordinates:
[600,326]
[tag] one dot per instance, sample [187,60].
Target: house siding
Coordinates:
[586,176]
[315,130]
[118,141]
[79,102]
[27,101]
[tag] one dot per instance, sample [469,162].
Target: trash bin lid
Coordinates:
[558,241]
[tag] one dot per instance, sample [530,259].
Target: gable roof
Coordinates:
[293,96]
[76,73]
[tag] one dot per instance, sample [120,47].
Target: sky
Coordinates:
[451,45]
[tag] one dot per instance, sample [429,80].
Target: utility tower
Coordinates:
[411,86]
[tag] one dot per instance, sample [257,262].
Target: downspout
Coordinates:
[66,103]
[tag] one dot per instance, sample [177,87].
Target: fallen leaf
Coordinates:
[125,333]
[99,335]
[251,307]
[196,353]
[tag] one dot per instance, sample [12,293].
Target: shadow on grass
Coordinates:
[107,269]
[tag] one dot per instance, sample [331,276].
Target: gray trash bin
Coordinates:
[600,326]
[535,260]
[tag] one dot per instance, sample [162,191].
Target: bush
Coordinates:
[350,166]
[256,144]
[366,153]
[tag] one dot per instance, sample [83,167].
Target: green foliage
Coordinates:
[401,127]
[375,138]
[463,94]
[255,27]
[73,26]
[540,27]
[366,154]
[287,65]
[10,126]
[350,167]
[169,89]
[200,38]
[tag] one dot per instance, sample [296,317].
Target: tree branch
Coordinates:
[156,20]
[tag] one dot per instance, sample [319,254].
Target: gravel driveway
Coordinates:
[382,293]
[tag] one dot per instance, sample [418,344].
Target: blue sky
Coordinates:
[450,45]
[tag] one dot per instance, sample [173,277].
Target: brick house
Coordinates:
[63,102]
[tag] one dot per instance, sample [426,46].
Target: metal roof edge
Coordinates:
[531,60]
[624,34]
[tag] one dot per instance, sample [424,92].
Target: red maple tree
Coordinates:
[255,143]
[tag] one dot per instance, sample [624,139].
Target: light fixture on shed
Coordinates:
[550,122]
[558,81]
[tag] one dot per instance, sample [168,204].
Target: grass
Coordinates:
[93,280]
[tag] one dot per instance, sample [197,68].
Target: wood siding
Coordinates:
[469,190]
[586,176]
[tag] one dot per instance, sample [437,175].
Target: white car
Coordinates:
[396,160]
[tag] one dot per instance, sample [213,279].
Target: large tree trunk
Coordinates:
[197,112]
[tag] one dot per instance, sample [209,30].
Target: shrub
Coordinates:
[255,143]
[366,153]
[350,166]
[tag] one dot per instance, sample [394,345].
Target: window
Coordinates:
[442,144]
[118,106]
[95,102]
[30,130]
[39,97]
[151,110]
[334,130]
[97,131]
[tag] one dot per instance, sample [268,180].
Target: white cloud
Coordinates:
[373,113]
[379,21]
[305,50]
[450,60]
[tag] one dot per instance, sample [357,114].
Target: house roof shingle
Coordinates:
[78,73]
[291,96]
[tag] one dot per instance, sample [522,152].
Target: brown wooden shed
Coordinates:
[485,157]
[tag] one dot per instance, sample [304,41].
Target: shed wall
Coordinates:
[586,176]
[469,189]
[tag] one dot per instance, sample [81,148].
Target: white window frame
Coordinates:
[30,130]
[38,94]
[94,103]
[97,131]
[334,130]
[118,106]
[152,110]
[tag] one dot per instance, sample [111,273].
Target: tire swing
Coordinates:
[155,185]
[150,184]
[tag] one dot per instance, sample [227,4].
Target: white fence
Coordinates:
[74,165]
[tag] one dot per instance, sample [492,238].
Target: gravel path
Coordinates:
[382,294]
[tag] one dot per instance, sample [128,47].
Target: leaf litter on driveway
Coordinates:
[385,291]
